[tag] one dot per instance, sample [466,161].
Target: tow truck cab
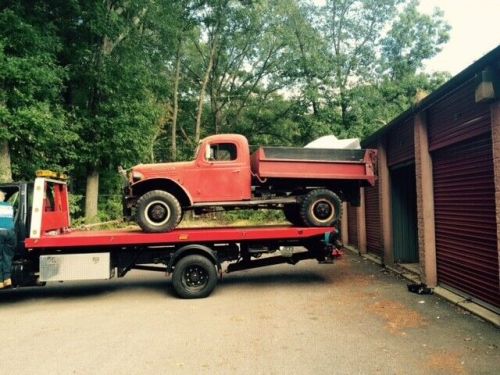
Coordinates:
[19,195]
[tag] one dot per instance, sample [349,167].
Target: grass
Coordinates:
[241,218]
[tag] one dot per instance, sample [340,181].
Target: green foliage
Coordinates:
[412,38]
[31,82]
[255,217]
[75,205]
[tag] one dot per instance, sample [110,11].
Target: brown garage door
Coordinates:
[352,218]
[372,219]
[464,199]
[401,144]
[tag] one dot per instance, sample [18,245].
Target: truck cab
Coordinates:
[223,164]
[219,172]
[19,195]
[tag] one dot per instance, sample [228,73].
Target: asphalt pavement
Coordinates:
[351,317]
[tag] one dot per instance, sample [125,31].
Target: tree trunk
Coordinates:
[343,110]
[197,132]
[5,165]
[173,149]
[91,195]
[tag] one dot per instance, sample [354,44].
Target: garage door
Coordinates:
[352,218]
[464,199]
[372,219]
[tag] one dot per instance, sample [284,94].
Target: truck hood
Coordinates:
[162,169]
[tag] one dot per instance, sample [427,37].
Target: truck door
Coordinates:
[225,176]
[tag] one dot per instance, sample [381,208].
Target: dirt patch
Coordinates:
[446,363]
[348,273]
[398,316]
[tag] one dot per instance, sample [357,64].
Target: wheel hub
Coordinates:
[195,276]
[158,212]
[322,210]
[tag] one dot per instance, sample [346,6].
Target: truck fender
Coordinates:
[193,249]
[166,184]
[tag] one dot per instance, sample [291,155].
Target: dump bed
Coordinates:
[310,163]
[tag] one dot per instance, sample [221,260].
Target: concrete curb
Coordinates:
[448,295]
[470,306]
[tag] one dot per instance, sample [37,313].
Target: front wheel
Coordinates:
[158,211]
[320,208]
[194,276]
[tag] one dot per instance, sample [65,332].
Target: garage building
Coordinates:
[436,206]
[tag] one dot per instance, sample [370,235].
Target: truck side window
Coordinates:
[12,197]
[223,152]
[49,198]
[14,201]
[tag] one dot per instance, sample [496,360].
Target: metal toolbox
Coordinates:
[65,267]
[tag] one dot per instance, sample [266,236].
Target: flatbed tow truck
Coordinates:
[49,250]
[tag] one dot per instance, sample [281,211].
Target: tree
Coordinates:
[375,105]
[413,38]
[372,41]
[113,53]
[34,132]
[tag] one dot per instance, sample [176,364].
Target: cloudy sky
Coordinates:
[475,31]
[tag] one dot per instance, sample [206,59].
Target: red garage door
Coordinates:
[352,218]
[372,219]
[464,199]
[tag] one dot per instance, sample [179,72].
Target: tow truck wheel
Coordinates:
[292,214]
[194,276]
[320,208]
[158,211]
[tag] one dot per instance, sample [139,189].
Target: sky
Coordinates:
[475,31]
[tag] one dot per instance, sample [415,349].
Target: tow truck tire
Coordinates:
[292,214]
[321,208]
[194,276]
[158,211]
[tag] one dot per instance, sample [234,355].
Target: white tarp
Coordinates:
[330,141]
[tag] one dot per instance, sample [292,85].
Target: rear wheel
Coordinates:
[321,208]
[158,211]
[194,276]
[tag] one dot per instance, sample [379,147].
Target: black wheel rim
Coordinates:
[195,277]
[323,210]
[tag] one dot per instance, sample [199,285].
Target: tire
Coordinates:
[194,276]
[158,211]
[292,214]
[321,208]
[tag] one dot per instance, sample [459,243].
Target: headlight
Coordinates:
[137,176]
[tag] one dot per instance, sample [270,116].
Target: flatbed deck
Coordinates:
[77,238]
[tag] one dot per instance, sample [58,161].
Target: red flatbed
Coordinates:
[75,238]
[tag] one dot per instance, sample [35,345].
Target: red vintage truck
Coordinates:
[308,184]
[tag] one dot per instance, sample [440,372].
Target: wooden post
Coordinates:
[362,224]
[425,202]
[385,203]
